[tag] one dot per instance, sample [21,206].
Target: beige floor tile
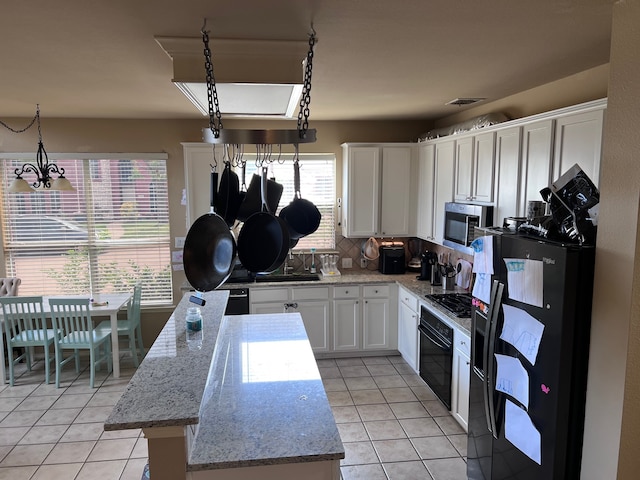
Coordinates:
[93,414]
[104,399]
[384,430]
[12,435]
[141,449]
[378,370]
[367,397]
[334,384]
[48,389]
[339,399]
[447,468]
[27,455]
[408,410]
[404,369]
[363,472]
[4,451]
[436,408]
[17,473]
[399,450]
[449,425]
[352,432]
[70,452]
[354,371]
[346,414]
[407,470]
[326,362]
[18,390]
[349,362]
[119,449]
[360,383]
[115,434]
[69,400]
[423,393]
[64,416]
[65,471]
[434,447]
[375,412]
[80,432]
[43,434]
[41,402]
[24,418]
[389,381]
[7,404]
[375,361]
[459,442]
[359,453]
[413,380]
[109,470]
[134,468]
[400,394]
[329,372]
[420,427]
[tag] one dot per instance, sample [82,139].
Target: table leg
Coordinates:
[115,347]
[3,371]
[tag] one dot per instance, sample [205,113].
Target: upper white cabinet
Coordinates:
[507,167]
[474,168]
[537,150]
[578,139]
[376,191]
[444,158]
[425,174]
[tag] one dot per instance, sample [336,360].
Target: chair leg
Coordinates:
[138,331]
[58,365]
[92,366]
[47,365]
[132,348]
[76,354]
[11,364]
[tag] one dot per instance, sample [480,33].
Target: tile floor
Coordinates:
[57,433]
[391,424]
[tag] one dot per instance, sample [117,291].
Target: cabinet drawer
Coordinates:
[409,299]
[310,293]
[376,291]
[346,291]
[269,294]
[462,343]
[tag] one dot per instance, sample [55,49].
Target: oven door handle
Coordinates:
[428,334]
[239,295]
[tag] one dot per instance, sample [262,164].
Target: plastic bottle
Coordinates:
[313,261]
[194,328]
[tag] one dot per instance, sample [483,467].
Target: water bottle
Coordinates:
[194,328]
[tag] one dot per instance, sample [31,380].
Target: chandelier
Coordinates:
[264,140]
[43,169]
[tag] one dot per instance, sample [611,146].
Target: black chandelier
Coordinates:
[42,168]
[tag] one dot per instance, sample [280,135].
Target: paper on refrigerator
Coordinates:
[482,287]
[483,255]
[512,378]
[524,278]
[520,431]
[522,331]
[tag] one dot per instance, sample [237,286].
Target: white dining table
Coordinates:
[104,305]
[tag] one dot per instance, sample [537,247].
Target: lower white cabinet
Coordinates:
[347,318]
[316,319]
[408,319]
[375,318]
[461,377]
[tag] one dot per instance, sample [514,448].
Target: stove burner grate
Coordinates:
[459,304]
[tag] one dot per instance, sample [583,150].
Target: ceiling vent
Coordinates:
[464,101]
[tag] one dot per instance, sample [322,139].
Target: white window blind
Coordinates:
[317,184]
[106,236]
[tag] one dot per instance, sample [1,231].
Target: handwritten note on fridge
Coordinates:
[521,432]
[512,378]
[522,331]
[524,277]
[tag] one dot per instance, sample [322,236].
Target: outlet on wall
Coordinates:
[363,263]
[346,263]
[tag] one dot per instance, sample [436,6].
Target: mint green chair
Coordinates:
[72,323]
[25,327]
[130,326]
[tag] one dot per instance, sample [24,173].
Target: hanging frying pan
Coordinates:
[209,248]
[252,202]
[302,216]
[228,197]
[263,241]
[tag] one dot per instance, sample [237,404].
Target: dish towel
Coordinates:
[463,278]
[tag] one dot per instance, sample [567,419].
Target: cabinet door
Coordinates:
[346,325]
[483,167]
[537,144]
[424,221]
[443,184]
[395,196]
[578,139]
[362,182]
[463,170]
[375,319]
[408,335]
[507,167]
[315,316]
[270,307]
[461,376]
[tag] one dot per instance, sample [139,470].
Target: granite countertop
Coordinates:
[264,402]
[167,388]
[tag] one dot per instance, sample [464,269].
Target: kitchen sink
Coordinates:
[289,277]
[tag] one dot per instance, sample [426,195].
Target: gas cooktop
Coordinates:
[458,304]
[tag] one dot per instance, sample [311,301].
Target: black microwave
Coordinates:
[460,220]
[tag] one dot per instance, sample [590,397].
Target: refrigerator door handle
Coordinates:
[493,327]
[485,357]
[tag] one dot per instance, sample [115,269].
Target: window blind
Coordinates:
[108,235]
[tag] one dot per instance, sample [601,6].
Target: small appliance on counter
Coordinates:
[429,268]
[392,258]
[329,265]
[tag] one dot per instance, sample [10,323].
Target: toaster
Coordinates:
[391,259]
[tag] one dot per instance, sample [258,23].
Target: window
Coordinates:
[109,234]
[317,184]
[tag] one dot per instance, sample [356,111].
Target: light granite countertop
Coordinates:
[264,402]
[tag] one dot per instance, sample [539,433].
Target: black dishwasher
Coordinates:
[436,354]
[238,303]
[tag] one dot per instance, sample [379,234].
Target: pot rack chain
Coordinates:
[22,130]
[305,100]
[215,117]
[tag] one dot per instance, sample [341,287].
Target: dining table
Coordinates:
[103,305]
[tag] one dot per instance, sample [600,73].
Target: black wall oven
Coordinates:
[436,354]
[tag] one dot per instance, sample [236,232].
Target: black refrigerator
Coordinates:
[530,345]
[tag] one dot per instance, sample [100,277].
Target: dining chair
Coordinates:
[25,327]
[131,326]
[72,322]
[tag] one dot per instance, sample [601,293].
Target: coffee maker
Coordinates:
[429,268]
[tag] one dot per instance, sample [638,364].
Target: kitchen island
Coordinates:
[246,402]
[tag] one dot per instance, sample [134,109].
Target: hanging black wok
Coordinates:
[209,248]
[228,198]
[263,241]
[301,216]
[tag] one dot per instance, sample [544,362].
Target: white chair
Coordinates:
[25,327]
[72,322]
[9,286]
[130,326]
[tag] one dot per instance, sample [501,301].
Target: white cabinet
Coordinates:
[537,150]
[347,318]
[444,157]
[425,174]
[313,305]
[408,320]
[460,377]
[376,193]
[578,139]
[376,324]
[268,300]
[463,170]
[474,168]
[507,167]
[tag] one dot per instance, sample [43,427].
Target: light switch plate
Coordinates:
[346,263]
[179,242]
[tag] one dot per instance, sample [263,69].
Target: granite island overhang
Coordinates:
[248,401]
